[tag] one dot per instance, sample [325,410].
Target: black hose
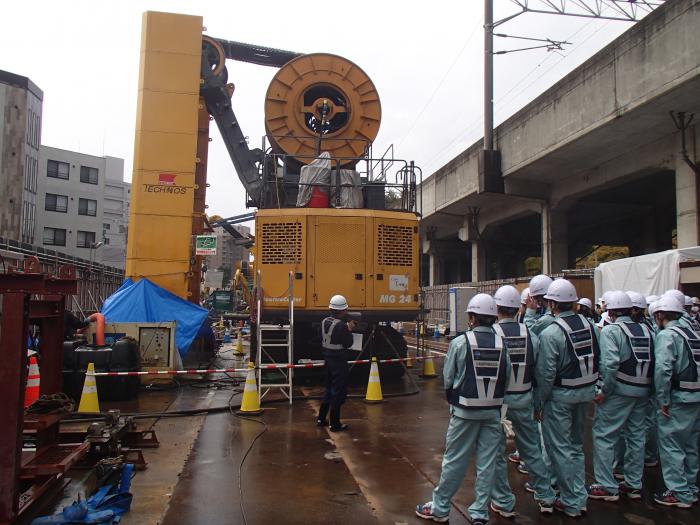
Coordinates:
[99,416]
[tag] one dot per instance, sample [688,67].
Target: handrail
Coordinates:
[404,177]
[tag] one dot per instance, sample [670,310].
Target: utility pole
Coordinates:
[488,74]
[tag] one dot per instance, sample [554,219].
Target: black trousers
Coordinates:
[336,379]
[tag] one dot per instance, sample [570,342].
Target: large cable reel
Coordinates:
[322,98]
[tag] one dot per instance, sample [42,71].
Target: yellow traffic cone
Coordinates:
[374,387]
[88,399]
[428,366]
[251,401]
[239,344]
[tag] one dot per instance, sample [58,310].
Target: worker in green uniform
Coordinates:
[566,376]
[476,372]
[677,383]
[626,369]
[522,349]
[538,316]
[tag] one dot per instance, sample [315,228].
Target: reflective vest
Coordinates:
[638,370]
[484,383]
[582,369]
[694,325]
[516,340]
[688,380]
[327,327]
[649,323]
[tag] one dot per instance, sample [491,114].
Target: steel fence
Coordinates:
[96,281]
[436,299]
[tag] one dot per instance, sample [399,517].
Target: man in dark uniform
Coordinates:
[336,338]
[71,323]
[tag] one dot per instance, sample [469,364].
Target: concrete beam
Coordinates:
[644,160]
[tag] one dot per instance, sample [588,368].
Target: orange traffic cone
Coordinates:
[31,393]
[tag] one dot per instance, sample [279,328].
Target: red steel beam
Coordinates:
[13,378]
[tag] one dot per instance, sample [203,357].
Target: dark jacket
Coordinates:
[70,324]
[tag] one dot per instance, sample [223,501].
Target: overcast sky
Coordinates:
[425,59]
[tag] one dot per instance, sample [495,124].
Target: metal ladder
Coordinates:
[275,345]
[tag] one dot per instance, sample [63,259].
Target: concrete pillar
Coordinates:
[434,270]
[555,242]
[649,235]
[686,205]
[478,262]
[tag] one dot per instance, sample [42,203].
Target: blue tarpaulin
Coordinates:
[146,302]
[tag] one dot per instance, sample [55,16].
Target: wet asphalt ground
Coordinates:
[377,472]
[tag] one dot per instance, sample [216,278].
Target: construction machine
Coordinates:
[322,114]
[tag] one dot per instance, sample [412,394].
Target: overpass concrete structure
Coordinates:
[595,160]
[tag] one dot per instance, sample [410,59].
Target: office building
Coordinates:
[20,136]
[83,205]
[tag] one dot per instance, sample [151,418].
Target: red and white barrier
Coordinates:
[245,370]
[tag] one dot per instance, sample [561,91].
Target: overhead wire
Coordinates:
[502,98]
[439,85]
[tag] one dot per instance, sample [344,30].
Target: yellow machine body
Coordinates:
[165,152]
[369,256]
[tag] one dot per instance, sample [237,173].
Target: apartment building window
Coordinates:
[87,207]
[105,226]
[57,203]
[54,237]
[28,220]
[88,175]
[30,170]
[86,239]
[57,170]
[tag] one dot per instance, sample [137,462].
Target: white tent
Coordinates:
[650,274]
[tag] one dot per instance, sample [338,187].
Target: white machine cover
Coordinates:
[650,274]
[316,172]
[350,190]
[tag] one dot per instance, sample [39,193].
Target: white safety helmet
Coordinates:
[604,298]
[338,302]
[561,291]
[652,308]
[524,295]
[585,301]
[638,300]
[677,294]
[652,298]
[539,285]
[507,296]
[669,302]
[619,300]
[688,301]
[482,304]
